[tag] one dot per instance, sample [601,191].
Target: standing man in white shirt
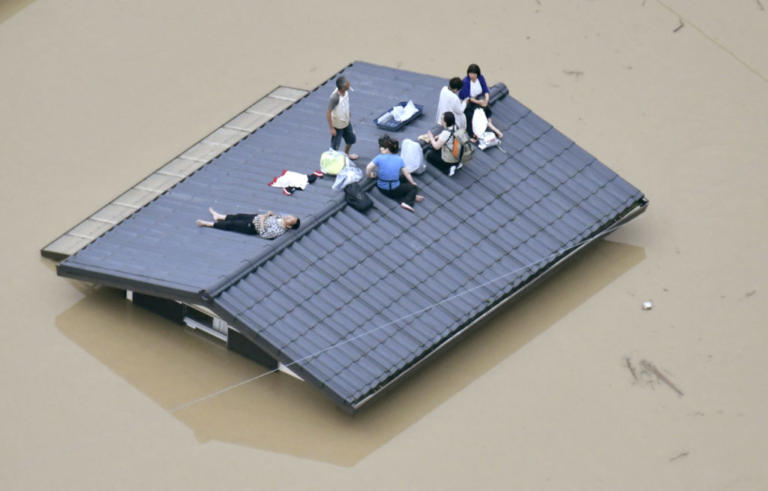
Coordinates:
[339,117]
[449,101]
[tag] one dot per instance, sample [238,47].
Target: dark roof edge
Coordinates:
[216,289]
[60,257]
[497,92]
[265,256]
[630,213]
[268,348]
[113,281]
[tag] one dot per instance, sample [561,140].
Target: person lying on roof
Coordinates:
[266,225]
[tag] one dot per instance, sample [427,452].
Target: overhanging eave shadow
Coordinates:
[173,365]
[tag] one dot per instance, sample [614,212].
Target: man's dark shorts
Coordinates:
[347,133]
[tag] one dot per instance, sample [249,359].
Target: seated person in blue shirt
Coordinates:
[266,225]
[394,180]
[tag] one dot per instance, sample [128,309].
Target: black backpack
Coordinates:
[356,197]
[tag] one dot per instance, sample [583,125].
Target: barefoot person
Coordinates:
[339,117]
[393,179]
[474,92]
[266,225]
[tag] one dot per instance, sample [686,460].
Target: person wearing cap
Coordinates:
[339,117]
[266,225]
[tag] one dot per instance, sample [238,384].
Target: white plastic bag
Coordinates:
[385,118]
[487,140]
[413,157]
[409,110]
[479,121]
[349,174]
[404,113]
[398,112]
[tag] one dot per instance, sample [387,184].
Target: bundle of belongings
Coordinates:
[292,181]
[485,138]
[413,156]
[332,162]
[399,116]
[399,113]
[348,177]
[336,163]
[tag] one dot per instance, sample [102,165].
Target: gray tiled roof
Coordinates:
[359,299]
[353,301]
[157,247]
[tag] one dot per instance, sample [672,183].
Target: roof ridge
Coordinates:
[497,92]
[214,290]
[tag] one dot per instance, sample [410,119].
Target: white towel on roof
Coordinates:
[290,179]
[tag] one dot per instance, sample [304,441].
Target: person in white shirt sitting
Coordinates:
[449,101]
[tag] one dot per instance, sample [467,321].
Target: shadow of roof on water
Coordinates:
[173,365]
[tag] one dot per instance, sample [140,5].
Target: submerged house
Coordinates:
[350,302]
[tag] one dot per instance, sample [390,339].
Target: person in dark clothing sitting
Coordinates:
[266,225]
[475,94]
[393,179]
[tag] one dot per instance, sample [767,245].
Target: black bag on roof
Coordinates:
[356,197]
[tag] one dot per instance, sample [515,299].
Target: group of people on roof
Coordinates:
[456,106]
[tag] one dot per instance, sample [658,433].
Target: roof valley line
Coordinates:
[353,303]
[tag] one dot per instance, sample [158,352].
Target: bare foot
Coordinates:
[406,206]
[216,215]
[419,198]
[353,156]
[203,223]
[499,134]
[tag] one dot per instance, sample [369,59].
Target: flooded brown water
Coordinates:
[574,386]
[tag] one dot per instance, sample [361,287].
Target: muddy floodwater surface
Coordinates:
[574,386]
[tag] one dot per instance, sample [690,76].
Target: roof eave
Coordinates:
[111,280]
[631,213]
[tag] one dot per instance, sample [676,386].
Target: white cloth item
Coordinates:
[449,102]
[340,113]
[487,140]
[475,89]
[413,156]
[479,121]
[385,118]
[290,179]
[403,113]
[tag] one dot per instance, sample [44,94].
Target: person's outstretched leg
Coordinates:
[216,215]
[409,193]
[499,134]
[237,223]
